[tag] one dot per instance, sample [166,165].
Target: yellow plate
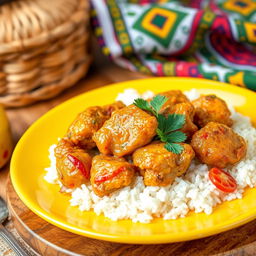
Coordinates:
[31,157]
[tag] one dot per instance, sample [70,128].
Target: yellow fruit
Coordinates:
[5,138]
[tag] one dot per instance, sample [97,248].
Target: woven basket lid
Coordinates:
[43,48]
[28,23]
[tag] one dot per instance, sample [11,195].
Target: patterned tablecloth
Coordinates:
[213,39]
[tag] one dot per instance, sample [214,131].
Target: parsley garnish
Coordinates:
[154,106]
[167,126]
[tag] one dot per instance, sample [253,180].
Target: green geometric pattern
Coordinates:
[166,38]
[160,24]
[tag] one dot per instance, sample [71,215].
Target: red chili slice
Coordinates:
[222,180]
[205,136]
[5,154]
[109,176]
[79,165]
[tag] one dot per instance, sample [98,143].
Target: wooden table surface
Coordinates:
[101,73]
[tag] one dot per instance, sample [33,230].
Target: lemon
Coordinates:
[6,144]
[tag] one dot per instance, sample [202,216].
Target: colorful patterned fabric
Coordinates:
[213,39]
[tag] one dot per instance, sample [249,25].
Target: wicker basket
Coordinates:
[43,48]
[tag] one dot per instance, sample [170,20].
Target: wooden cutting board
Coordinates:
[47,239]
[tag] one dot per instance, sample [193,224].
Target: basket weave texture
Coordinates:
[43,48]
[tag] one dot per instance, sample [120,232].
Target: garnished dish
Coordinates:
[149,156]
[181,206]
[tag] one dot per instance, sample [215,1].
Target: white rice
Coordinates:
[129,95]
[192,192]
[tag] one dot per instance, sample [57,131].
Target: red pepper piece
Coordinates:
[79,165]
[5,154]
[109,176]
[204,136]
[222,180]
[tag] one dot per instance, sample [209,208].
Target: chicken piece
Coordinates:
[188,110]
[127,129]
[110,173]
[218,145]
[160,167]
[210,108]
[184,159]
[88,122]
[73,164]
[174,97]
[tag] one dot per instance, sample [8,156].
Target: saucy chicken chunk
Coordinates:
[109,173]
[128,129]
[210,108]
[73,164]
[88,122]
[186,109]
[173,97]
[160,167]
[218,145]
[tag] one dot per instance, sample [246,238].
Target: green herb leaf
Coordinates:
[174,122]
[161,135]
[142,104]
[173,147]
[176,136]
[161,122]
[167,127]
[157,102]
